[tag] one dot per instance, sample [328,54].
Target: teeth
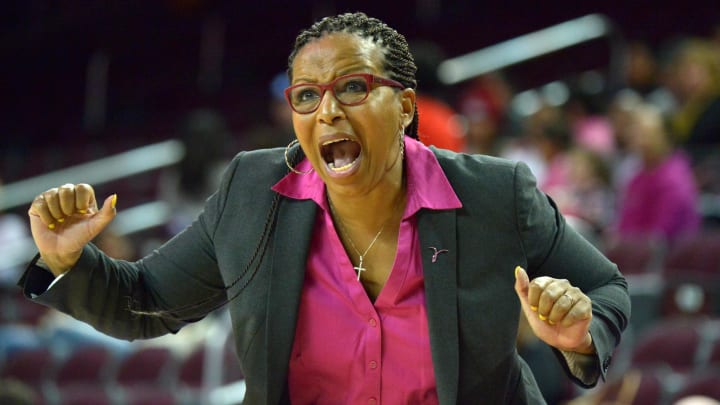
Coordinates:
[331,165]
[335,141]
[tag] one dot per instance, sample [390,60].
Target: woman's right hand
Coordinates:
[64,219]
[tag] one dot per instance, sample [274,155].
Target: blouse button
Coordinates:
[373,364]
[372,322]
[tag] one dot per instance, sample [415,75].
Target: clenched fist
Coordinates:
[558,313]
[64,219]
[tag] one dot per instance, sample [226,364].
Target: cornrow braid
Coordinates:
[399,62]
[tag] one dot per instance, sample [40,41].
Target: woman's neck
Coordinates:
[372,210]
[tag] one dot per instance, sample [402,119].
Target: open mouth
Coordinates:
[340,154]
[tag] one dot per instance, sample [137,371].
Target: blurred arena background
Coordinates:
[149,99]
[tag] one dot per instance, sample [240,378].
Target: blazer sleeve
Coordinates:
[554,249]
[181,280]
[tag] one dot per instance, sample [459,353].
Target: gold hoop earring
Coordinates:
[287,161]
[402,143]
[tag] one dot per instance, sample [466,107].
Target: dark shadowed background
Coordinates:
[152,50]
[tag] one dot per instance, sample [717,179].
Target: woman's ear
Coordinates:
[407,104]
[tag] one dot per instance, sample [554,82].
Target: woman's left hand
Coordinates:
[558,313]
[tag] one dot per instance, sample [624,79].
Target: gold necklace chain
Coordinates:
[359,268]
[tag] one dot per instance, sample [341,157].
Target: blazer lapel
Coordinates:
[437,231]
[293,233]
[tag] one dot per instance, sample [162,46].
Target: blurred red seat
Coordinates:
[670,343]
[28,366]
[691,271]
[145,366]
[85,365]
[635,387]
[191,369]
[699,253]
[18,309]
[225,367]
[635,255]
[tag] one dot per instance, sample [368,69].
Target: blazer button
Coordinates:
[606,364]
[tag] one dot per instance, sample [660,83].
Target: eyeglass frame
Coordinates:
[370,79]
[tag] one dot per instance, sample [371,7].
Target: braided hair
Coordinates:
[399,62]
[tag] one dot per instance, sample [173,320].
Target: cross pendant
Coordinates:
[360,268]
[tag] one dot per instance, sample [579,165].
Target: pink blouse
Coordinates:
[347,349]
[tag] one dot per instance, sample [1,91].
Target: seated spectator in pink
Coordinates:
[661,199]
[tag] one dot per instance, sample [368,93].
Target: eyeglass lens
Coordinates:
[347,90]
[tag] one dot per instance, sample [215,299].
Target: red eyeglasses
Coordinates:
[352,89]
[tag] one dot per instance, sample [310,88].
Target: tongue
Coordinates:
[344,153]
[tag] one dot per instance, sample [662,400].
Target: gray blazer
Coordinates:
[473,309]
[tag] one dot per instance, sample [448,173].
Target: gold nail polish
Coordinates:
[114,201]
[82,211]
[534,308]
[551,322]
[542,318]
[61,220]
[51,226]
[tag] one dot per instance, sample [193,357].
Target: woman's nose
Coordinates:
[330,108]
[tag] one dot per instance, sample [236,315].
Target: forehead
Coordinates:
[337,54]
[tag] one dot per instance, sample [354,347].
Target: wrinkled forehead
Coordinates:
[338,53]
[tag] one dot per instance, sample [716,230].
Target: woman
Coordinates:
[660,201]
[377,270]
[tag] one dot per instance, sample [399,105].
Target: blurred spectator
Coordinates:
[623,163]
[526,147]
[13,335]
[276,129]
[642,76]
[208,148]
[576,178]
[694,79]
[484,105]
[661,199]
[13,234]
[640,68]
[590,126]
[549,132]
[591,198]
[439,124]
